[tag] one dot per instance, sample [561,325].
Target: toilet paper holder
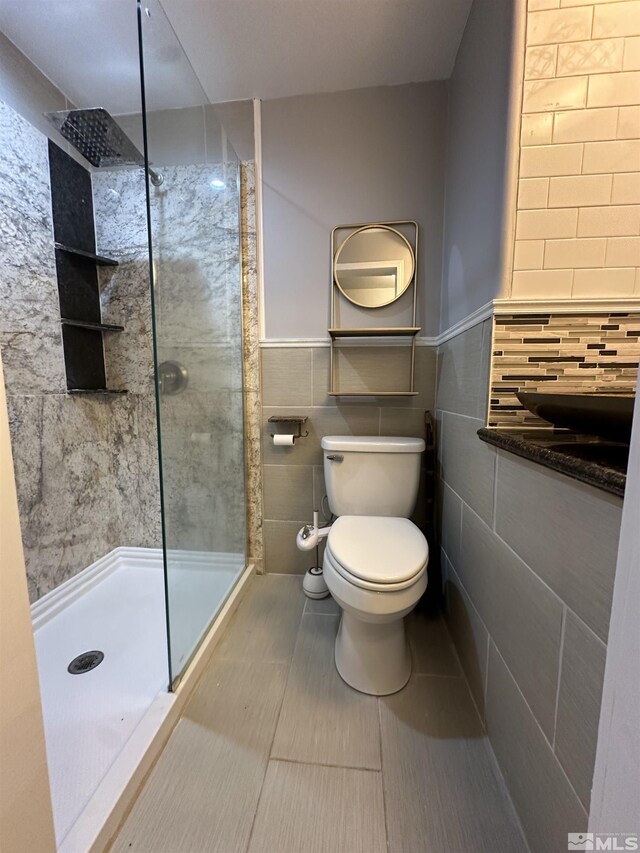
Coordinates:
[296,421]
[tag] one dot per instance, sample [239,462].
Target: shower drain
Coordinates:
[85,662]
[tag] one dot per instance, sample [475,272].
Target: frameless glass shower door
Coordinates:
[194,216]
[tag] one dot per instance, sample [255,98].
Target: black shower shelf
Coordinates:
[101,260]
[96,391]
[94,327]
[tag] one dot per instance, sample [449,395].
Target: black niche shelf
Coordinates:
[94,327]
[77,264]
[100,260]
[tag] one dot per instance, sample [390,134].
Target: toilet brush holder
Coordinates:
[314,585]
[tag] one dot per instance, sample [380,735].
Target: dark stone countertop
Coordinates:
[596,461]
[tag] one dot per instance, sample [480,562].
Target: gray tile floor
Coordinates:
[276,754]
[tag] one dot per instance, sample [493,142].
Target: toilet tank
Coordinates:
[372,475]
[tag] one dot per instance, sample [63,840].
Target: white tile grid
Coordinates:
[578,220]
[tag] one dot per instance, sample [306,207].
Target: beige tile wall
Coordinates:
[295,380]
[560,353]
[578,209]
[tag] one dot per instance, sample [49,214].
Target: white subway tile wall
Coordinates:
[578,220]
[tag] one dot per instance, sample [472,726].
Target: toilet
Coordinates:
[375,560]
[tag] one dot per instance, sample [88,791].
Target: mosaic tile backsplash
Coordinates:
[559,353]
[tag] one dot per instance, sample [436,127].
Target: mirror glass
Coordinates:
[374,266]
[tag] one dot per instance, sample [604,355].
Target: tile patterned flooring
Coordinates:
[276,754]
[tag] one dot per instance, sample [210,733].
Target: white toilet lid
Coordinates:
[378,549]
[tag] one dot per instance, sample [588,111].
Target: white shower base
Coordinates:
[116,606]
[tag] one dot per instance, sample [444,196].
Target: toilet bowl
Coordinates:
[375,561]
[376,569]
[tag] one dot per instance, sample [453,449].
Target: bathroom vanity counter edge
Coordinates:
[538,446]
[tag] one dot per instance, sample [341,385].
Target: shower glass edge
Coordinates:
[193,220]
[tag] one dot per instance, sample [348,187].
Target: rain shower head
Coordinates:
[99,138]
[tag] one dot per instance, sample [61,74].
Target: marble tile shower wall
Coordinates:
[199,325]
[85,468]
[529,558]
[558,354]
[295,380]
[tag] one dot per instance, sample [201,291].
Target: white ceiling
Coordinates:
[238,48]
[275,48]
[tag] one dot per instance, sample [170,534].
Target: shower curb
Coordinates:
[53,602]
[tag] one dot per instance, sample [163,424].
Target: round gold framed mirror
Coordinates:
[374,266]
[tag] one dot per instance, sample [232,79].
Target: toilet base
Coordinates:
[372,657]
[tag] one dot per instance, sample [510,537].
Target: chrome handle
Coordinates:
[172,377]
[335,457]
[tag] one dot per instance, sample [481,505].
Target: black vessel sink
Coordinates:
[605,415]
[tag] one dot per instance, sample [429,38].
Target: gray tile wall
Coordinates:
[529,559]
[295,380]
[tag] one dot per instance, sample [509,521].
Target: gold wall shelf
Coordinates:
[337,332]
[376,332]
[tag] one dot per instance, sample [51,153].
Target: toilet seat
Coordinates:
[379,553]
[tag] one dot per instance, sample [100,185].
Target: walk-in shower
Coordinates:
[131,490]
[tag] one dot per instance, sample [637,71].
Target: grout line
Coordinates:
[323,615]
[442,675]
[384,798]
[325,764]
[275,729]
[520,559]
[503,782]
[540,729]
[494,506]
[485,688]
[463,674]
[563,629]
[312,370]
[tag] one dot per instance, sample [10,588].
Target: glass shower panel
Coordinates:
[194,214]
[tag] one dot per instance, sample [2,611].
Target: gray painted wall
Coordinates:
[476,160]
[529,557]
[358,156]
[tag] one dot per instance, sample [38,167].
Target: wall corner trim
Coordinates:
[483,313]
[257,154]
[489,309]
[566,306]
